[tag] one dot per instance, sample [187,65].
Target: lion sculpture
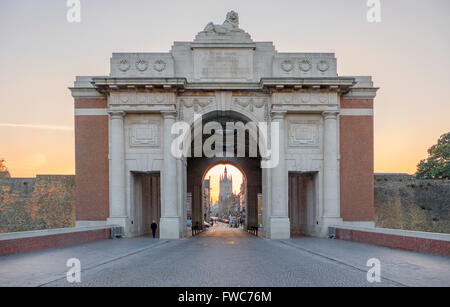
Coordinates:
[231,24]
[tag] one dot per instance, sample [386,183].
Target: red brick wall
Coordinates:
[356,164]
[51,241]
[356,103]
[396,241]
[91,163]
[89,103]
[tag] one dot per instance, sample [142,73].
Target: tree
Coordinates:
[3,167]
[437,165]
[4,173]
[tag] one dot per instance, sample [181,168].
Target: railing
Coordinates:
[253,230]
[196,229]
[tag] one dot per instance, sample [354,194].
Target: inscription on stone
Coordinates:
[229,63]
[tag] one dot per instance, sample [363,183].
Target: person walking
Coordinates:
[154,226]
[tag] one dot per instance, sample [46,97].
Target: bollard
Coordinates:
[253,230]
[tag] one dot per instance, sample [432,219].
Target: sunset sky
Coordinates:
[408,55]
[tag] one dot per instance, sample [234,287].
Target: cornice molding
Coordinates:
[116,114]
[78,92]
[361,93]
[338,84]
[330,114]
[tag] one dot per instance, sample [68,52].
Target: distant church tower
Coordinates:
[226,186]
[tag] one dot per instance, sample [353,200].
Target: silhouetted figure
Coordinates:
[154,226]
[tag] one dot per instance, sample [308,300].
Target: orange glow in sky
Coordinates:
[407,54]
[216,171]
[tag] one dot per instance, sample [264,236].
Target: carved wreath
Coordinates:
[287,65]
[124,65]
[323,66]
[141,65]
[305,65]
[159,65]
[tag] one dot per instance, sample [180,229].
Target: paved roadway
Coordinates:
[224,257]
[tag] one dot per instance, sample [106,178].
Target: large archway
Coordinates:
[197,167]
[249,165]
[224,193]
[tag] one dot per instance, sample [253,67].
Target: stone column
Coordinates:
[279,219]
[331,208]
[170,220]
[118,213]
[180,197]
[267,200]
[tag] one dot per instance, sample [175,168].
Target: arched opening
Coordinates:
[249,164]
[224,195]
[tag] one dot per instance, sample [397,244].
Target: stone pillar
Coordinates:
[331,208]
[279,219]
[118,212]
[180,197]
[267,200]
[170,219]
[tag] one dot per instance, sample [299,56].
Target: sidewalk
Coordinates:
[404,267]
[40,267]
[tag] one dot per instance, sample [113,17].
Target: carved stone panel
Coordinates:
[306,98]
[195,103]
[142,65]
[133,97]
[144,133]
[304,65]
[303,133]
[258,106]
[223,64]
[251,103]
